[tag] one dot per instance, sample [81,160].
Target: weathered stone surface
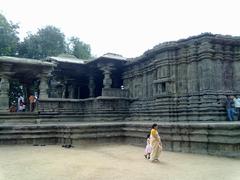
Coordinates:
[202,138]
[190,79]
[180,85]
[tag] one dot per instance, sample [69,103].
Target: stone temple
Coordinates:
[180,85]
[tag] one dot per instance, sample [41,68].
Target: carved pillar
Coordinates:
[144,86]
[205,67]
[91,86]
[4,90]
[71,91]
[70,88]
[64,88]
[218,72]
[182,83]
[236,68]
[173,79]
[228,69]
[54,89]
[107,81]
[43,87]
[154,85]
[5,73]
[192,73]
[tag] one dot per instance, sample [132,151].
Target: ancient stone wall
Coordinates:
[205,138]
[84,110]
[185,80]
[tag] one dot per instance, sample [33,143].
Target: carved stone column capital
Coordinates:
[107,70]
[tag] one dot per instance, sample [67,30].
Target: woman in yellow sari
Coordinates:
[155,143]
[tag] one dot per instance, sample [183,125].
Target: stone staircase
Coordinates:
[215,138]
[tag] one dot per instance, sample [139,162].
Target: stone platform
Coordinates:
[215,138]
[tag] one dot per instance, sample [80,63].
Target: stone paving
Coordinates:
[103,162]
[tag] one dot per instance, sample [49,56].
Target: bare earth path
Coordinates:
[109,162]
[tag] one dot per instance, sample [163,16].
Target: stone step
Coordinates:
[217,138]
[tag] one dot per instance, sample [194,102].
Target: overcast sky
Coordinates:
[126,27]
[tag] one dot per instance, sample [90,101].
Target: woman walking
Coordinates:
[155,143]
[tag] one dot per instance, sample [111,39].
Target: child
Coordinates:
[148,148]
[22,106]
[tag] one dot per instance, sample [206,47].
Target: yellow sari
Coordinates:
[156,144]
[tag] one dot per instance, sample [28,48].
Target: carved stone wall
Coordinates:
[184,80]
[85,110]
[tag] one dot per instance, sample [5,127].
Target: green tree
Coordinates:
[79,49]
[8,37]
[48,41]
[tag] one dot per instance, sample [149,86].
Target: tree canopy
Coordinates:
[48,41]
[8,37]
[79,49]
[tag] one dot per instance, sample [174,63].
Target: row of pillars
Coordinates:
[43,87]
[5,87]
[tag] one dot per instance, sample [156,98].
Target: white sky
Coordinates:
[126,27]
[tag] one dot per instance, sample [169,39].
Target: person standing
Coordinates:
[155,143]
[32,100]
[230,107]
[20,104]
[237,106]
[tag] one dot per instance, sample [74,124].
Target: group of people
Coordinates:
[233,107]
[154,145]
[21,104]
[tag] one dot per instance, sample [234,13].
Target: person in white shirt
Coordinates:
[21,104]
[237,106]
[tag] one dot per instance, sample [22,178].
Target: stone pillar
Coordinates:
[154,85]
[182,83]
[70,88]
[4,91]
[107,81]
[54,89]
[71,91]
[43,87]
[236,67]
[144,86]
[192,73]
[218,83]
[5,74]
[173,79]
[91,86]
[205,67]
[228,69]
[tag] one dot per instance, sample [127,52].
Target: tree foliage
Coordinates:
[79,49]
[48,41]
[8,37]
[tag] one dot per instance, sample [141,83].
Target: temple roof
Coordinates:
[171,45]
[16,60]
[24,69]
[67,59]
[109,57]
[113,56]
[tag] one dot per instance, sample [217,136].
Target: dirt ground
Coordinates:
[110,162]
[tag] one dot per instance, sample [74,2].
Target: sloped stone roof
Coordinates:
[67,58]
[17,60]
